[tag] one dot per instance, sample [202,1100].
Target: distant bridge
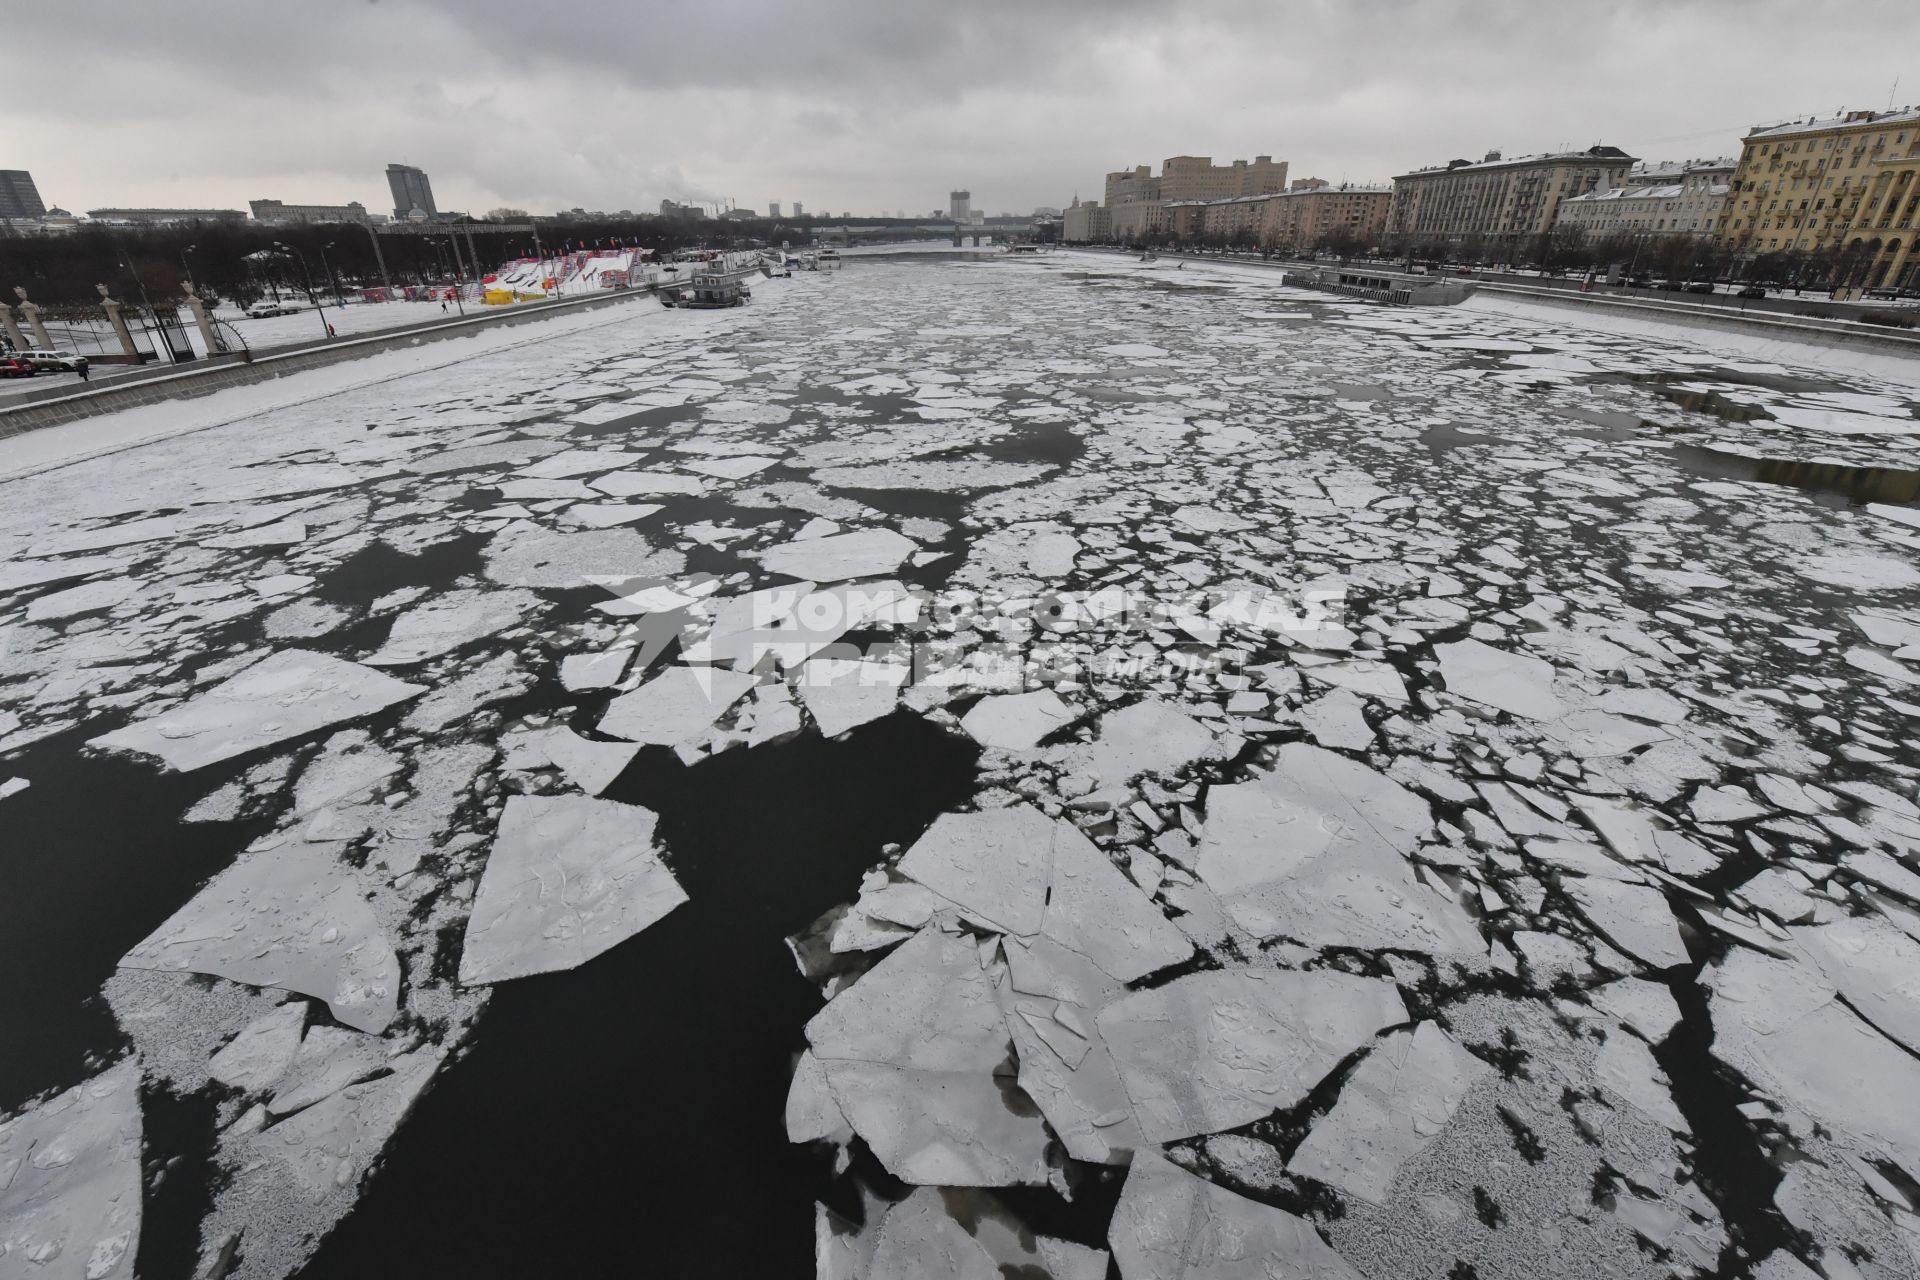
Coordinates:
[997,229]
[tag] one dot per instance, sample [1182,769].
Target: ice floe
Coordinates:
[70,1198]
[287,694]
[1396,1102]
[1171,1225]
[567,878]
[1217,1049]
[294,917]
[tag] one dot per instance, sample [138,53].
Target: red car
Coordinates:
[12,368]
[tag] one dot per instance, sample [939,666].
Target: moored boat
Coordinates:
[1395,288]
[707,291]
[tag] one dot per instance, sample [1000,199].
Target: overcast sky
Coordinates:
[872,105]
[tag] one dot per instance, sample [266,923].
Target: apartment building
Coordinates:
[1199,178]
[1847,183]
[1138,219]
[1664,200]
[1124,186]
[1141,204]
[1312,214]
[276,213]
[1085,222]
[1308,215]
[164,217]
[1497,197]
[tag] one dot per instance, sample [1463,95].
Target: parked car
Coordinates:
[1700,286]
[15,367]
[266,307]
[1753,291]
[53,361]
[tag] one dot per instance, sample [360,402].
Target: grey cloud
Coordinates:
[871,104]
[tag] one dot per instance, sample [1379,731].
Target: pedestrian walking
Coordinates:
[331,333]
[443,306]
[86,374]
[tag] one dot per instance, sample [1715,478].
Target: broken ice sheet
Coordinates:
[1634,917]
[532,556]
[601,670]
[591,766]
[864,553]
[70,1182]
[1171,1225]
[568,877]
[1396,1102]
[329,1059]
[949,1234]
[1016,721]
[994,863]
[1626,1070]
[448,621]
[329,1146]
[1338,720]
[257,1057]
[1216,1049]
[1316,851]
[1096,911]
[294,917]
[679,704]
[288,694]
[1150,736]
[910,1052]
[1875,966]
[1510,682]
[1647,1007]
[1777,1023]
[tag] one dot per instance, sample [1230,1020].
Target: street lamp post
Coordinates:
[151,320]
[184,266]
[458,279]
[333,277]
[540,252]
[312,297]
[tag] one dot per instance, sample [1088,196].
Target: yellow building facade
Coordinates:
[1847,185]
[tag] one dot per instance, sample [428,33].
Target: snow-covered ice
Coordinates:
[286,694]
[567,878]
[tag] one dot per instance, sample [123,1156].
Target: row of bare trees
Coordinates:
[1571,250]
[238,261]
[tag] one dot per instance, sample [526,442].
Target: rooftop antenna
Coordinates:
[1895,89]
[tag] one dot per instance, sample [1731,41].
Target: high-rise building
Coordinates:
[773,209]
[19,198]
[960,205]
[410,189]
[799,210]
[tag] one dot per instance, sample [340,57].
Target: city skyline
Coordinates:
[869,116]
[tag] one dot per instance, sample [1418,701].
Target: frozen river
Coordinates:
[1054,768]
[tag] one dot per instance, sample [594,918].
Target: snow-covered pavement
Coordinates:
[976,768]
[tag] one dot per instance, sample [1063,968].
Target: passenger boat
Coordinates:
[707,291]
[1395,288]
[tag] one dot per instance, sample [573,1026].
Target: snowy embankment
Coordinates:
[38,450]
